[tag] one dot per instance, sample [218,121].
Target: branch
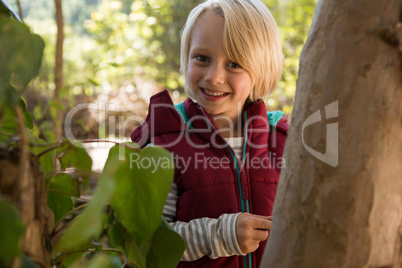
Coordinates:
[24,148]
[49,150]
[115,142]
[77,197]
[16,262]
[58,67]
[55,231]
[20,10]
[61,258]
[83,141]
[6,133]
[26,188]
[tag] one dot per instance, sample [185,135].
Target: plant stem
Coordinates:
[26,187]
[55,231]
[83,141]
[16,262]
[20,10]
[77,197]
[58,68]
[49,150]
[6,133]
[61,258]
[115,142]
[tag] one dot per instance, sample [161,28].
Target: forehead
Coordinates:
[208,31]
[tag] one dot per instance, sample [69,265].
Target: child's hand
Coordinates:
[251,229]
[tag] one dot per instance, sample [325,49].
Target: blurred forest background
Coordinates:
[118,53]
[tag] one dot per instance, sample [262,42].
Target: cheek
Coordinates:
[193,74]
[243,84]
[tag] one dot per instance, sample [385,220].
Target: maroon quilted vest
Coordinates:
[210,180]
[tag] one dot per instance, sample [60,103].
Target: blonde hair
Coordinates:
[251,39]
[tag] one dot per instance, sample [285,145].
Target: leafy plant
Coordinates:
[44,218]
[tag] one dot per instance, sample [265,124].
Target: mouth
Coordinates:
[213,95]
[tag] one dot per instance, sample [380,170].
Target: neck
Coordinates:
[229,126]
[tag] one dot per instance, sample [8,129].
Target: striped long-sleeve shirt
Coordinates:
[205,236]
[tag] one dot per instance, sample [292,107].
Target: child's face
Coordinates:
[219,85]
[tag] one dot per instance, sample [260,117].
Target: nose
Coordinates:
[215,75]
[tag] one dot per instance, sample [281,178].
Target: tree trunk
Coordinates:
[341,206]
[58,69]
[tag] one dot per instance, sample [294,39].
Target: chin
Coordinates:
[211,110]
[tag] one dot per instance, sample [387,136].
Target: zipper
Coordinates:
[241,173]
[244,176]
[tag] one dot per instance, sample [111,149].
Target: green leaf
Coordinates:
[94,82]
[135,253]
[74,256]
[54,107]
[69,261]
[37,112]
[11,229]
[9,122]
[114,232]
[142,185]
[27,115]
[114,64]
[101,261]
[9,95]
[88,225]
[167,247]
[46,160]
[58,202]
[65,146]
[47,132]
[64,92]
[115,258]
[76,156]
[21,52]
[6,10]
[97,246]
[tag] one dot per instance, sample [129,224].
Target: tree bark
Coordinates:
[345,209]
[58,69]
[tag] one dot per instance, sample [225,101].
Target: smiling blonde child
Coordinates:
[227,148]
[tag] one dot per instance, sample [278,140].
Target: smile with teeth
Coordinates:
[213,93]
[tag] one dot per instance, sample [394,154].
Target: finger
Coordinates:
[252,246]
[262,224]
[259,216]
[259,235]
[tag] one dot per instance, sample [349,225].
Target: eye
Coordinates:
[234,65]
[202,58]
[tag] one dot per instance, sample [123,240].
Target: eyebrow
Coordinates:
[202,49]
